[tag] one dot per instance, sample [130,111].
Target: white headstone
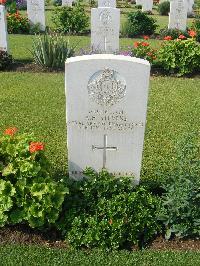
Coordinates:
[36,12]
[139,2]
[178,14]
[190,7]
[67,2]
[147,5]
[106,113]
[105,26]
[3,29]
[106,3]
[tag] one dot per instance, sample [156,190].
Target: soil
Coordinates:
[23,235]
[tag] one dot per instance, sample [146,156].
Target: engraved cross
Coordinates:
[105,148]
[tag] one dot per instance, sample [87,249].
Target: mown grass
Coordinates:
[21,45]
[30,255]
[35,102]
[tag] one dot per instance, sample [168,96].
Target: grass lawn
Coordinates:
[35,102]
[30,255]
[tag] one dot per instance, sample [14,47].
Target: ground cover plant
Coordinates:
[27,190]
[107,212]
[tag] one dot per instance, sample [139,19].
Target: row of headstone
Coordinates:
[3,29]
[105,27]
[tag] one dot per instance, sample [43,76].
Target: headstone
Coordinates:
[106,3]
[106,113]
[3,29]
[178,14]
[67,2]
[190,7]
[139,2]
[105,26]
[36,12]
[147,5]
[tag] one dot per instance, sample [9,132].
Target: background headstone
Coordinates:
[67,2]
[106,113]
[105,26]
[36,12]
[3,29]
[147,5]
[190,7]
[178,14]
[106,3]
[139,2]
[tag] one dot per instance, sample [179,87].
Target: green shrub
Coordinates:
[174,33]
[27,192]
[164,8]
[17,23]
[180,56]
[5,60]
[180,210]
[57,2]
[71,20]
[196,26]
[143,50]
[138,23]
[51,51]
[108,212]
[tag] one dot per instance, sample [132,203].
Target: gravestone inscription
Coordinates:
[106,113]
[105,25]
[36,12]
[3,29]
[178,14]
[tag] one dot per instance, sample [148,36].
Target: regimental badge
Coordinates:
[106,87]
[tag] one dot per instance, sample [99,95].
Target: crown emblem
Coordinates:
[106,87]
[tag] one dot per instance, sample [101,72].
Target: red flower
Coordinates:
[182,37]
[192,33]
[146,37]
[10,131]
[145,44]
[136,44]
[36,146]
[3,2]
[168,38]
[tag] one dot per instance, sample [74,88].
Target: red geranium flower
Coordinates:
[36,146]
[10,131]
[146,37]
[136,44]
[168,38]
[145,44]
[182,37]
[192,33]
[3,2]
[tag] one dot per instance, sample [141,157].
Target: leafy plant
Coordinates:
[164,8]
[143,50]
[17,23]
[5,60]
[174,33]
[27,192]
[139,23]
[108,212]
[57,2]
[51,51]
[71,20]
[180,56]
[180,211]
[196,26]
